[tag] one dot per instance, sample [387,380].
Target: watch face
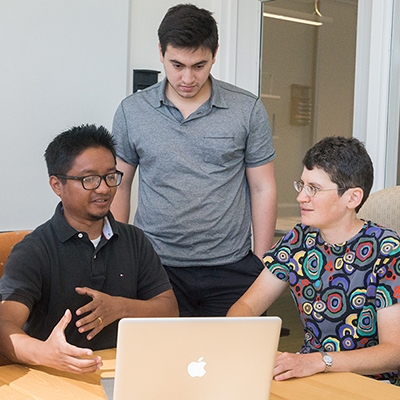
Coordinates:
[327,360]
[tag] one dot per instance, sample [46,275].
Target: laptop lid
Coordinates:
[196,358]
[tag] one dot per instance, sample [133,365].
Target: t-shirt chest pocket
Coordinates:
[218,150]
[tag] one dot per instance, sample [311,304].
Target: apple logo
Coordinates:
[196,368]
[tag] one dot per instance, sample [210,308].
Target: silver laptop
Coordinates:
[194,358]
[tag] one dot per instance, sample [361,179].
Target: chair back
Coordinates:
[7,242]
[383,207]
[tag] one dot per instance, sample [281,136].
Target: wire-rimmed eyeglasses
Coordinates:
[91,182]
[310,191]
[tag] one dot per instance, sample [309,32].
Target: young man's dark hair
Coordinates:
[345,160]
[62,151]
[186,26]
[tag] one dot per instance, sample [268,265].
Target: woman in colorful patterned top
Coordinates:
[343,272]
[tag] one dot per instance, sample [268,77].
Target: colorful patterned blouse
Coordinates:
[339,288]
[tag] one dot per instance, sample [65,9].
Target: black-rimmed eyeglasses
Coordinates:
[91,182]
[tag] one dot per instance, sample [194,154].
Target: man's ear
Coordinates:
[355,197]
[215,55]
[55,185]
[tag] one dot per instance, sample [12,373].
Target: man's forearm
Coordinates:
[263,199]
[121,205]
[163,305]
[16,345]
[264,221]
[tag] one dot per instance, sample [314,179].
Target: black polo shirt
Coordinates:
[44,269]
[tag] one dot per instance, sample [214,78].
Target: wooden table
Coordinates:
[40,383]
[23,382]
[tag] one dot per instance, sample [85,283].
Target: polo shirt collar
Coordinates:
[65,231]
[107,229]
[217,99]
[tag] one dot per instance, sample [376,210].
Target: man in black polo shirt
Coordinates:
[70,281]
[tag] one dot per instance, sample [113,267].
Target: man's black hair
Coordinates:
[63,150]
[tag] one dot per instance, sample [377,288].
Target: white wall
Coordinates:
[248,45]
[63,63]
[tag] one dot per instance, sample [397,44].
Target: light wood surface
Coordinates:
[39,383]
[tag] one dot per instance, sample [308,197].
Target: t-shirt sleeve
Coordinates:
[259,148]
[125,147]
[387,271]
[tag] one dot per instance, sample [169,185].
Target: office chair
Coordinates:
[383,207]
[7,242]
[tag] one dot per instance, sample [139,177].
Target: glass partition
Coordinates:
[307,82]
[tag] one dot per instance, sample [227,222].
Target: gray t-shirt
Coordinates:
[194,202]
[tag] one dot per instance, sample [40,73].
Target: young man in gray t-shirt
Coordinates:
[205,153]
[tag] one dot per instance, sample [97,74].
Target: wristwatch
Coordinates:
[327,359]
